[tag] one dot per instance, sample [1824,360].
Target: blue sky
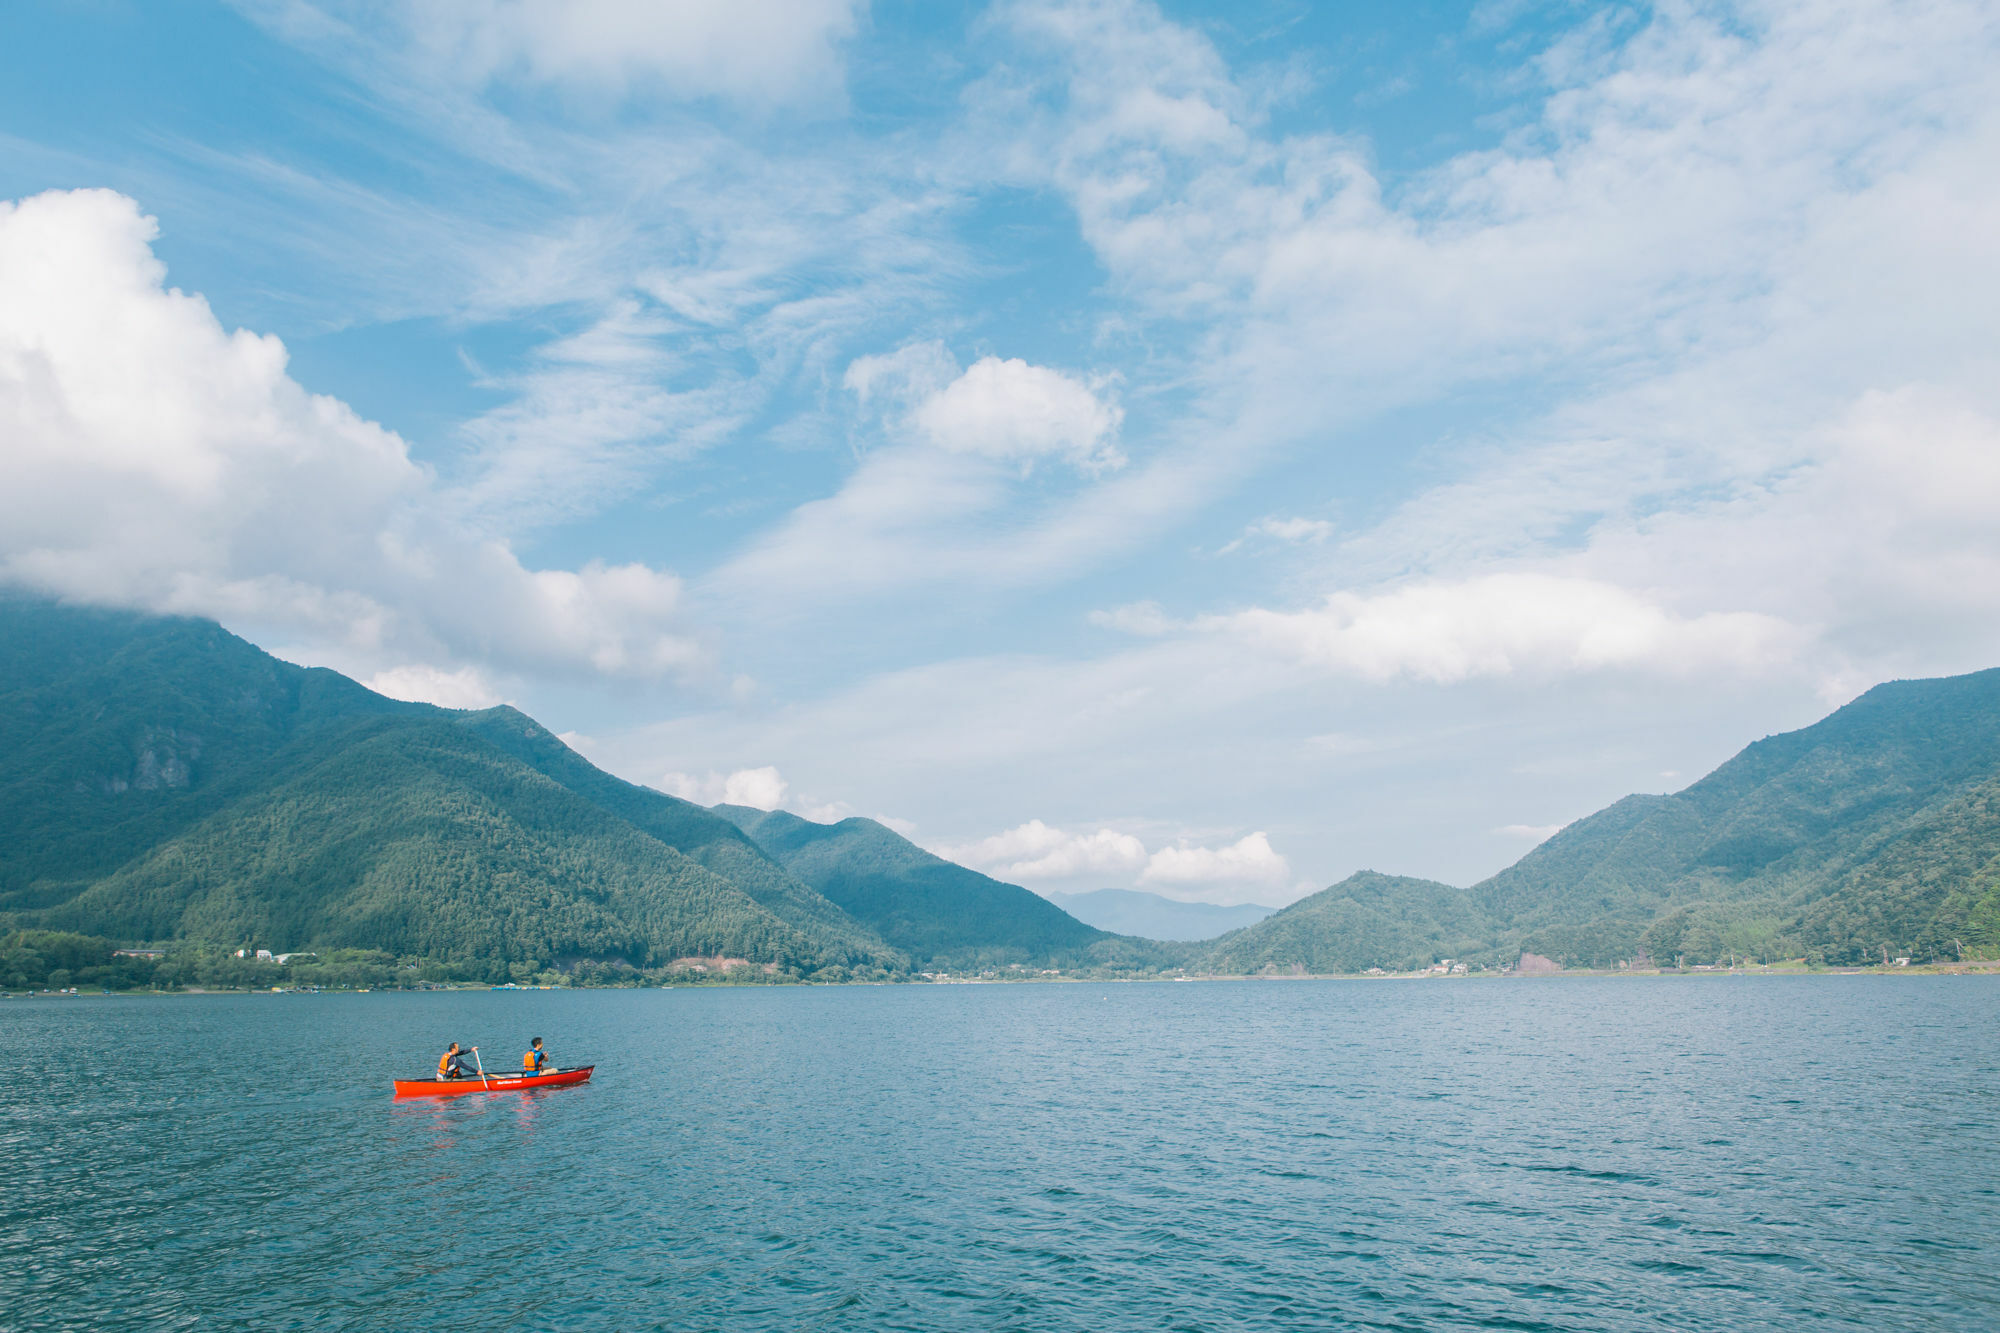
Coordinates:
[1203,449]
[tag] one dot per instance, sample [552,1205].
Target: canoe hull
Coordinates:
[458,1087]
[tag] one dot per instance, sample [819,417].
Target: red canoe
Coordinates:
[458,1087]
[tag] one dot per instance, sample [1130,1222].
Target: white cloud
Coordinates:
[759,788]
[1017,412]
[157,460]
[1034,851]
[1532,832]
[1760,236]
[1007,410]
[1237,872]
[1731,221]
[763,50]
[907,375]
[914,509]
[1499,624]
[1294,529]
[466,687]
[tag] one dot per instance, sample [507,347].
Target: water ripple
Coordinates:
[1590,1155]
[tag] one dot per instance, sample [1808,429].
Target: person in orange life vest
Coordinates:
[536,1060]
[452,1063]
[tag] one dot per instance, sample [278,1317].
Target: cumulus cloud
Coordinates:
[466,687]
[158,460]
[1017,412]
[759,788]
[1219,874]
[1001,409]
[1035,852]
[957,446]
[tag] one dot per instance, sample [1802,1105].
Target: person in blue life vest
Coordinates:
[536,1060]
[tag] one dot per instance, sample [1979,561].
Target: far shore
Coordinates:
[1970,967]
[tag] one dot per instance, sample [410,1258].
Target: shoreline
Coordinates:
[1971,967]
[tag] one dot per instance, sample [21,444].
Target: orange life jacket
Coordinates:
[443,1061]
[532,1061]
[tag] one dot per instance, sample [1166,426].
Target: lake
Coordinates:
[1714,1152]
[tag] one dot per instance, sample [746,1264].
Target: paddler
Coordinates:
[536,1058]
[452,1063]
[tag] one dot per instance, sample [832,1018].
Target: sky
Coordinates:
[1201,449]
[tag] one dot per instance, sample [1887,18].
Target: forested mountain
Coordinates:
[1875,831]
[928,907]
[1367,920]
[166,780]
[691,829]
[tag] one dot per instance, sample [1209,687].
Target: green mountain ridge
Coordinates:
[922,904]
[168,781]
[1368,920]
[713,841]
[1873,832]
[164,780]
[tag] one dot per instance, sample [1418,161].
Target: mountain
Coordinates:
[1367,920]
[1869,830]
[933,910]
[1130,912]
[166,780]
[1874,832]
[691,829]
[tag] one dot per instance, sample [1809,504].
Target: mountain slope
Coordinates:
[1788,846]
[423,841]
[167,780]
[691,829]
[1874,832]
[933,910]
[1367,920]
[124,729]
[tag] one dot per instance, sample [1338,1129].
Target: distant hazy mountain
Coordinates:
[1875,831]
[163,779]
[931,909]
[1148,915]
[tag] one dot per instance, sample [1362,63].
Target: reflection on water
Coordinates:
[1609,1154]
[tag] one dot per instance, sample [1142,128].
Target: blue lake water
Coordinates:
[1574,1154]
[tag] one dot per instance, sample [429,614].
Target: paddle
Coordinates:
[482,1067]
